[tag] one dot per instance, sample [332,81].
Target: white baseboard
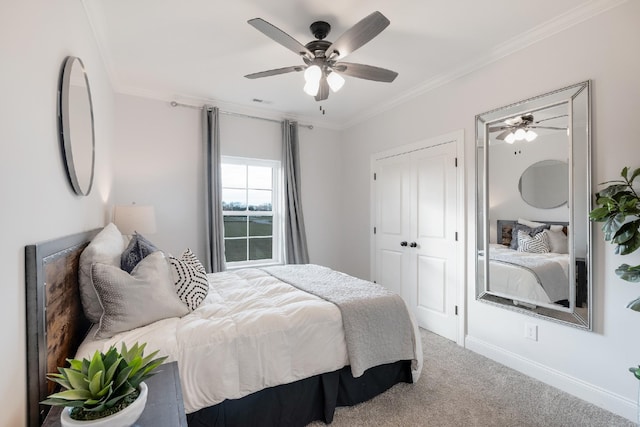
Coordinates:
[596,395]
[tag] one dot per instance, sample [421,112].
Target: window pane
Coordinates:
[260,200]
[260,249]
[260,226]
[260,177]
[234,200]
[235,250]
[235,226]
[234,176]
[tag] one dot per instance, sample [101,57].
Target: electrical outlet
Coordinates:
[531,331]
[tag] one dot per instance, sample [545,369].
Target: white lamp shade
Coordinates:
[313,74]
[336,81]
[530,135]
[312,87]
[510,139]
[134,218]
[520,134]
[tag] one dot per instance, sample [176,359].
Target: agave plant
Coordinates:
[100,384]
[619,209]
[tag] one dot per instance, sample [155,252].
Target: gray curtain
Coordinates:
[214,228]
[295,238]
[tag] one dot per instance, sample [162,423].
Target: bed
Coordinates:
[528,278]
[258,350]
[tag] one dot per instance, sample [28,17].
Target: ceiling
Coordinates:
[195,51]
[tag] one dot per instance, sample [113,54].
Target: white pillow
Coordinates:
[105,248]
[557,241]
[538,244]
[137,299]
[534,224]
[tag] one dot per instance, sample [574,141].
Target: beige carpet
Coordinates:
[461,388]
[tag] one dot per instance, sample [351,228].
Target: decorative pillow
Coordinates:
[538,244]
[189,278]
[557,241]
[105,248]
[528,230]
[137,299]
[138,248]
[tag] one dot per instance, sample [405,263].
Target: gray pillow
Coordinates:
[105,248]
[133,300]
[138,248]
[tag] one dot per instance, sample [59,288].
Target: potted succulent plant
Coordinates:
[107,390]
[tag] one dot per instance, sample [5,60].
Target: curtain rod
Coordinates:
[231,113]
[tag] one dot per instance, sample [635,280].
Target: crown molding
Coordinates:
[554,26]
[93,9]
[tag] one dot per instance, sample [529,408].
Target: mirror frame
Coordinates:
[65,128]
[580,142]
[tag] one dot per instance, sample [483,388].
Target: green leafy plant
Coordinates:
[619,210]
[105,384]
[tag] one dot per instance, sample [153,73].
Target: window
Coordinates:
[251,210]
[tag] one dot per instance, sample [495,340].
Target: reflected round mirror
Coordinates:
[545,184]
[76,125]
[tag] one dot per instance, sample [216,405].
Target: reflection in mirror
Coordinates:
[533,184]
[545,184]
[76,125]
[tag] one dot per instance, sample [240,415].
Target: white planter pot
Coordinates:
[125,418]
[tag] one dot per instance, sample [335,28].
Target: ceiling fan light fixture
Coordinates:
[313,74]
[530,135]
[520,134]
[510,139]
[312,87]
[336,81]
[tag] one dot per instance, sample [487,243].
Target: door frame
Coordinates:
[457,138]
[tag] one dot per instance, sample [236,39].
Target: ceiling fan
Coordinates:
[323,68]
[520,127]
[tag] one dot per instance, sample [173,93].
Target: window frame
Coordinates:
[277,211]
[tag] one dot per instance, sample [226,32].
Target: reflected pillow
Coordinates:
[136,251]
[190,279]
[133,300]
[557,241]
[538,244]
[104,248]
[527,230]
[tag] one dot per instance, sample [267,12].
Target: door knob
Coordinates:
[403,243]
[413,244]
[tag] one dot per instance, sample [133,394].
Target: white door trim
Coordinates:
[457,137]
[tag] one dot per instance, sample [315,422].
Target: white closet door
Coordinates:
[393,222]
[415,241]
[434,194]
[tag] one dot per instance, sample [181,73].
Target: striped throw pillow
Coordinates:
[538,244]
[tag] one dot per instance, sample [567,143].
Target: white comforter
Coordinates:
[251,332]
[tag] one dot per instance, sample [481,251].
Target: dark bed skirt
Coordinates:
[303,401]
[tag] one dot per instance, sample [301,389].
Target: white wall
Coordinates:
[37,201]
[590,364]
[158,158]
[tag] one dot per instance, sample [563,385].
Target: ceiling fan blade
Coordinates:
[547,127]
[280,36]
[275,72]
[358,35]
[551,118]
[367,72]
[497,128]
[323,91]
[504,134]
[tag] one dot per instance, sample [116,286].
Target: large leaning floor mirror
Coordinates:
[533,201]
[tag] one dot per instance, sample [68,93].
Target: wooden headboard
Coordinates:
[55,321]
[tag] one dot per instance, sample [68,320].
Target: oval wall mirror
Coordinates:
[75,114]
[545,184]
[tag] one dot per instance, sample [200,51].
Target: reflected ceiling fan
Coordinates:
[323,68]
[520,127]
